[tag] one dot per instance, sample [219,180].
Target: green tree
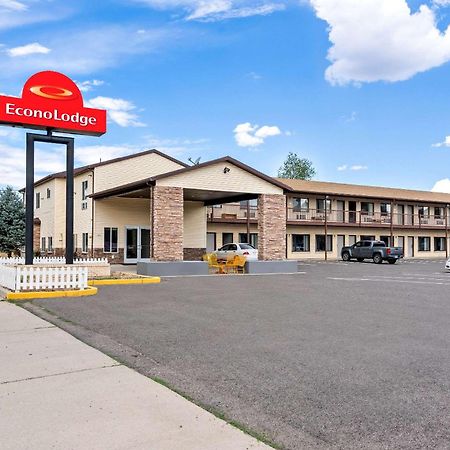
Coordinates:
[12,221]
[297,168]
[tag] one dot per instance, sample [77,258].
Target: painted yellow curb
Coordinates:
[53,294]
[149,280]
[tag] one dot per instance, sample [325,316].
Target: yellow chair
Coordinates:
[239,262]
[211,259]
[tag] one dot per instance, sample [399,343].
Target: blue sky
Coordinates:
[360,87]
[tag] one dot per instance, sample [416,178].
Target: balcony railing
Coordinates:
[233,212]
[363,218]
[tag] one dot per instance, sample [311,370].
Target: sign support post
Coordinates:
[29,192]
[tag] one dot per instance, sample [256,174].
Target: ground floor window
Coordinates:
[352,239]
[367,238]
[85,243]
[386,240]
[227,238]
[424,244]
[43,246]
[50,244]
[439,244]
[253,239]
[320,243]
[110,238]
[300,243]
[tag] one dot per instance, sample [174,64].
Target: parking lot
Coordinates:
[344,355]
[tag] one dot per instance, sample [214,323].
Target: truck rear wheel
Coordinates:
[377,258]
[346,256]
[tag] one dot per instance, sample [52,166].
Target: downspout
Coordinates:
[92,214]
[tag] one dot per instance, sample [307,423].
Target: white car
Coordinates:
[447,264]
[233,249]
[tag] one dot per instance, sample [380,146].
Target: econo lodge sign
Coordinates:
[50,100]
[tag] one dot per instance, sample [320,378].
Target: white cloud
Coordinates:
[358,167]
[355,167]
[248,135]
[89,85]
[441,2]
[380,40]
[88,51]
[12,5]
[29,49]
[442,186]
[446,142]
[119,111]
[211,10]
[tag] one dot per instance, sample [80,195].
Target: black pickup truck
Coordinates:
[375,250]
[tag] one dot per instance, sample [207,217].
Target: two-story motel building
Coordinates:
[151,206]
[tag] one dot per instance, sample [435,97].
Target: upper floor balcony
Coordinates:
[238,213]
[365,219]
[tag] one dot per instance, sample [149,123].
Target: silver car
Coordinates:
[233,249]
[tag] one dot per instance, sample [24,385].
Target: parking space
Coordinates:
[343,355]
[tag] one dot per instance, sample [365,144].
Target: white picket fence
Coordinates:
[51,261]
[35,278]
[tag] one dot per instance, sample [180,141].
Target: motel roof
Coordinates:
[357,191]
[88,168]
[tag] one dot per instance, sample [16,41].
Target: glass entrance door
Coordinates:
[137,244]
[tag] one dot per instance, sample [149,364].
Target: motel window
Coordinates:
[49,193]
[253,203]
[367,238]
[385,209]
[320,243]
[300,243]
[110,237]
[351,239]
[43,246]
[367,207]
[424,244]
[50,244]
[227,238]
[320,203]
[300,204]
[424,211]
[439,244]
[386,240]
[38,200]
[438,213]
[84,188]
[253,239]
[85,242]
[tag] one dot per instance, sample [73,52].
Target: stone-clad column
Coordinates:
[272,227]
[167,223]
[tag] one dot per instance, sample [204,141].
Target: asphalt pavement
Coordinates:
[340,355]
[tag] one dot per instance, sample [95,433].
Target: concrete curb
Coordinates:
[150,280]
[17,296]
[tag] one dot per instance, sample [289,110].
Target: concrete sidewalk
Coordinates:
[57,392]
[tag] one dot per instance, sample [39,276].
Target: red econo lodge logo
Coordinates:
[50,100]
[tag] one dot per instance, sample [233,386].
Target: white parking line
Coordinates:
[386,280]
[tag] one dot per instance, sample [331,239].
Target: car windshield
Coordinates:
[247,247]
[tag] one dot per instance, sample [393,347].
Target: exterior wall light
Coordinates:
[226,170]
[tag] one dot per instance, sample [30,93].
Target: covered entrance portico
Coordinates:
[177,210]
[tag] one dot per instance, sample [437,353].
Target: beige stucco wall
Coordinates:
[118,213]
[213,178]
[82,217]
[133,169]
[194,235]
